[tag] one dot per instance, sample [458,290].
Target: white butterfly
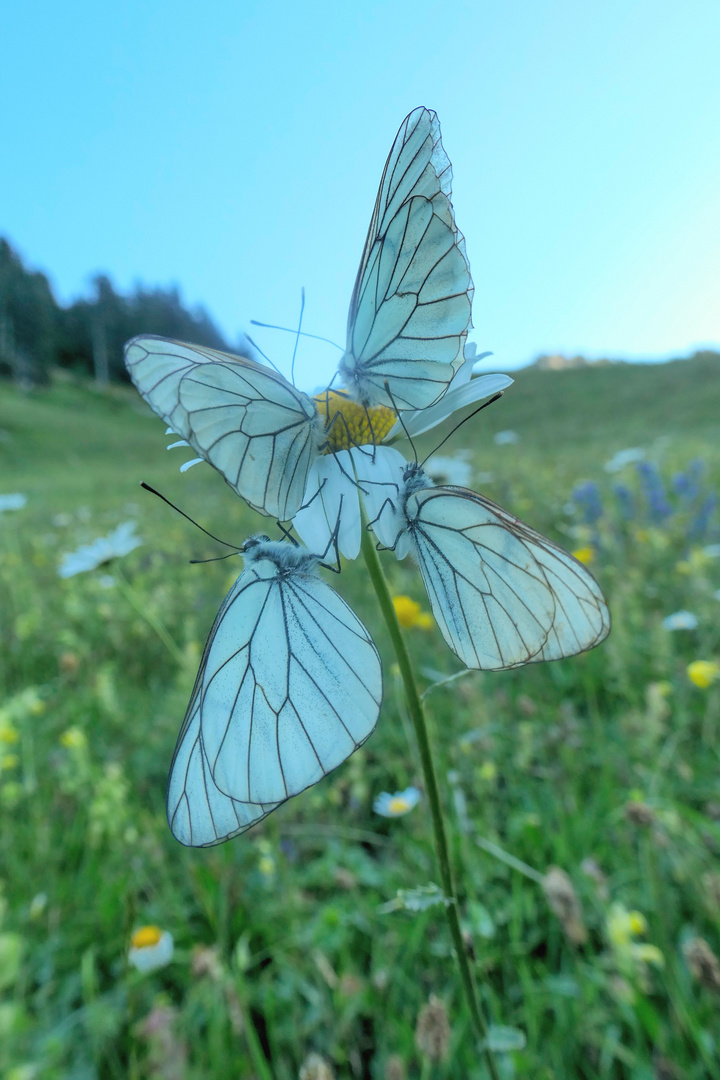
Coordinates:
[502,594]
[290,684]
[408,321]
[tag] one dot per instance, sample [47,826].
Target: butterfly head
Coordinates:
[415,478]
[253,542]
[280,557]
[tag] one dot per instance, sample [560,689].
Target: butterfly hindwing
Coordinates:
[289,686]
[502,594]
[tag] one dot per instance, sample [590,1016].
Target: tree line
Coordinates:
[37,334]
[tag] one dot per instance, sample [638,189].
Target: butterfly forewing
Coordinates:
[254,427]
[411,305]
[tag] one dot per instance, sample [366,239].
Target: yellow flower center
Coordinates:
[145,936]
[349,424]
[397,805]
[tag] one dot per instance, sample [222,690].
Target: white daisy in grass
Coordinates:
[680,620]
[12,502]
[450,470]
[101,551]
[397,805]
[624,457]
[150,948]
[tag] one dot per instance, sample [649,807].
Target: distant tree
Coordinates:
[88,335]
[28,320]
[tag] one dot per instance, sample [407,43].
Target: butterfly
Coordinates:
[502,594]
[289,685]
[408,321]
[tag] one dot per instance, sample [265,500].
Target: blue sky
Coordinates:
[235,148]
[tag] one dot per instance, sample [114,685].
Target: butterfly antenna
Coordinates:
[192,522]
[451,433]
[402,422]
[297,336]
[214,558]
[303,333]
[264,355]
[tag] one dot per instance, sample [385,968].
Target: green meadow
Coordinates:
[299,937]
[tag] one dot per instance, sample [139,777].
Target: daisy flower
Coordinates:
[101,551]
[397,805]
[12,502]
[150,948]
[680,620]
[357,465]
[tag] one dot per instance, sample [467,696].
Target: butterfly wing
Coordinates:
[199,814]
[410,308]
[258,431]
[502,594]
[289,685]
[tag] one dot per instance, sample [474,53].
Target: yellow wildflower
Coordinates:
[703,672]
[637,923]
[74,738]
[584,554]
[410,615]
[266,866]
[623,925]
[8,734]
[648,954]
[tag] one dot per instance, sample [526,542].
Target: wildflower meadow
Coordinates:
[581,797]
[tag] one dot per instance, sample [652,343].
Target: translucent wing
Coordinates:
[411,304]
[258,431]
[290,684]
[199,814]
[502,594]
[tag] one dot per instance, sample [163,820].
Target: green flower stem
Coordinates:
[155,624]
[431,788]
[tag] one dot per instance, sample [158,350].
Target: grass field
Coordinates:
[605,766]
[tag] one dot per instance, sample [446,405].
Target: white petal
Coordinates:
[464,373]
[418,422]
[381,476]
[331,493]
